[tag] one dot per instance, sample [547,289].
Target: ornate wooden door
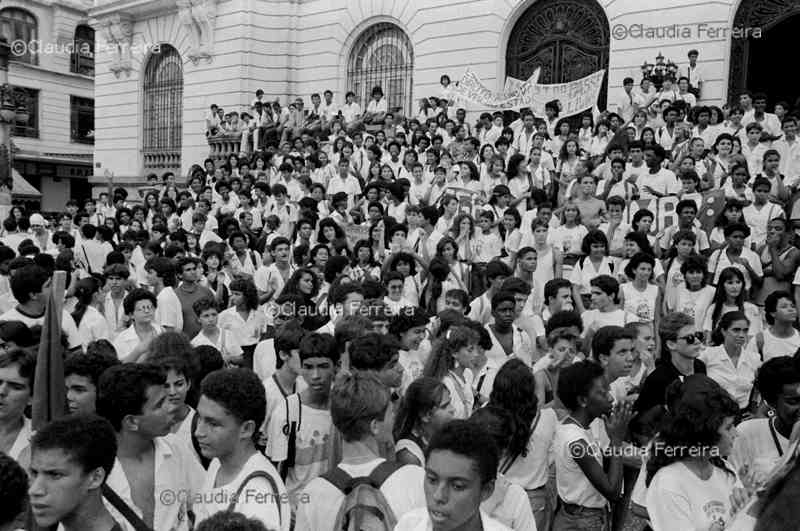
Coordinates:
[567,39]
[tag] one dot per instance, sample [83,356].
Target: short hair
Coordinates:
[774,374]
[563,319]
[13,489]
[496,268]
[89,441]
[606,283]
[240,392]
[594,236]
[686,203]
[606,337]
[122,390]
[90,365]
[502,296]
[636,260]
[516,286]
[576,381]
[671,324]
[230,521]
[319,346]
[467,439]
[26,280]
[408,318]
[350,327]
[117,271]
[164,268]
[25,362]
[694,263]
[201,305]
[553,286]
[136,295]
[287,339]
[372,351]
[771,304]
[356,400]
[761,181]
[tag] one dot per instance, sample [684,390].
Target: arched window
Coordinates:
[382,56]
[19,25]
[163,109]
[83,51]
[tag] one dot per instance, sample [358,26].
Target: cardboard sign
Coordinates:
[471,88]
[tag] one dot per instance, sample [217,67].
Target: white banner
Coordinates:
[574,96]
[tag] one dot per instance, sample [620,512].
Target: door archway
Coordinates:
[567,39]
[762,28]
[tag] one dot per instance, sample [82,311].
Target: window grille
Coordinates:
[163,109]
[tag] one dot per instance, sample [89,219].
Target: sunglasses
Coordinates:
[692,338]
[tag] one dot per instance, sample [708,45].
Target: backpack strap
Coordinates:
[124,509]
[290,429]
[346,483]
[383,471]
[273,485]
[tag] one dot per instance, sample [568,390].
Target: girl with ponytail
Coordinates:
[91,324]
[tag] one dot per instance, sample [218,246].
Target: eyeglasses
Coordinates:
[692,338]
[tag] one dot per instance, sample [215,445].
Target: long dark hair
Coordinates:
[719,295]
[514,390]
[85,290]
[291,287]
[691,427]
[422,396]
[725,322]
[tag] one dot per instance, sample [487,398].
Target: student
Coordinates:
[211,334]
[528,454]
[561,351]
[507,339]
[689,486]
[605,308]
[508,503]
[584,486]
[30,286]
[644,346]
[425,407]
[730,296]
[17,370]
[82,372]
[394,299]
[283,382]
[14,493]
[735,254]
[681,345]
[461,470]
[116,276]
[410,329]
[779,337]
[71,459]
[595,261]
[305,456]
[242,319]
[132,397]
[189,291]
[454,361]
[358,406]
[230,412]
[134,342]
[762,442]
[161,279]
[481,308]
[639,297]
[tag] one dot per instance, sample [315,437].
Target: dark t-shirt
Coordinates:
[191,326]
[654,388]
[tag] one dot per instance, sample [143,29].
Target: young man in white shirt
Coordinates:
[351,112]
[376,109]
[358,407]
[345,182]
[768,121]
[156,477]
[229,415]
[657,181]
[161,275]
[461,468]
[91,253]
[627,102]
[789,149]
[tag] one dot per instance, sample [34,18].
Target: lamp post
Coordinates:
[12,111]
[662,69]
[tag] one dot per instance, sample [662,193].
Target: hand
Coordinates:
[617,421]
[739,498]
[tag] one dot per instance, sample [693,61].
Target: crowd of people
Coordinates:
[366,320]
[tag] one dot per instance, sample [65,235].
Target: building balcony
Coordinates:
[159,161]
[220,148]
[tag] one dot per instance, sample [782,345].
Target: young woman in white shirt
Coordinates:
[640,296]
[425,407]
[92,324]
[593,262]
[485,156]
[453,360]
[519,182]
[689,486]
[511,236]
[449,205]
[528,456]
[634,243]
[569,235]
[729,297]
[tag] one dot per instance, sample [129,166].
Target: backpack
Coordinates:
[364,507]
[293,420]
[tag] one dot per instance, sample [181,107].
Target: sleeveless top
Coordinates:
[413,446]
[779,346]
[640,303]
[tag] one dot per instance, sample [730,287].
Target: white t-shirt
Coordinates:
[313,444]
[756,448]
[531,471]
[403,491]
[169,312]
[573,485]
[663,182]
[257,500]
[595,319]
[68,326]
[677,500]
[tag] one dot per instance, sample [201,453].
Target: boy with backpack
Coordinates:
[231,410]
[298,436]
[364,490]
[283,383]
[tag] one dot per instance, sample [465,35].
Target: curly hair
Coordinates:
[691,427]
[248,289]
[444,348]
[292,288]
[514,390]
[240,392]
[13,489]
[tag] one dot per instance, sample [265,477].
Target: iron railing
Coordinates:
[163,109]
